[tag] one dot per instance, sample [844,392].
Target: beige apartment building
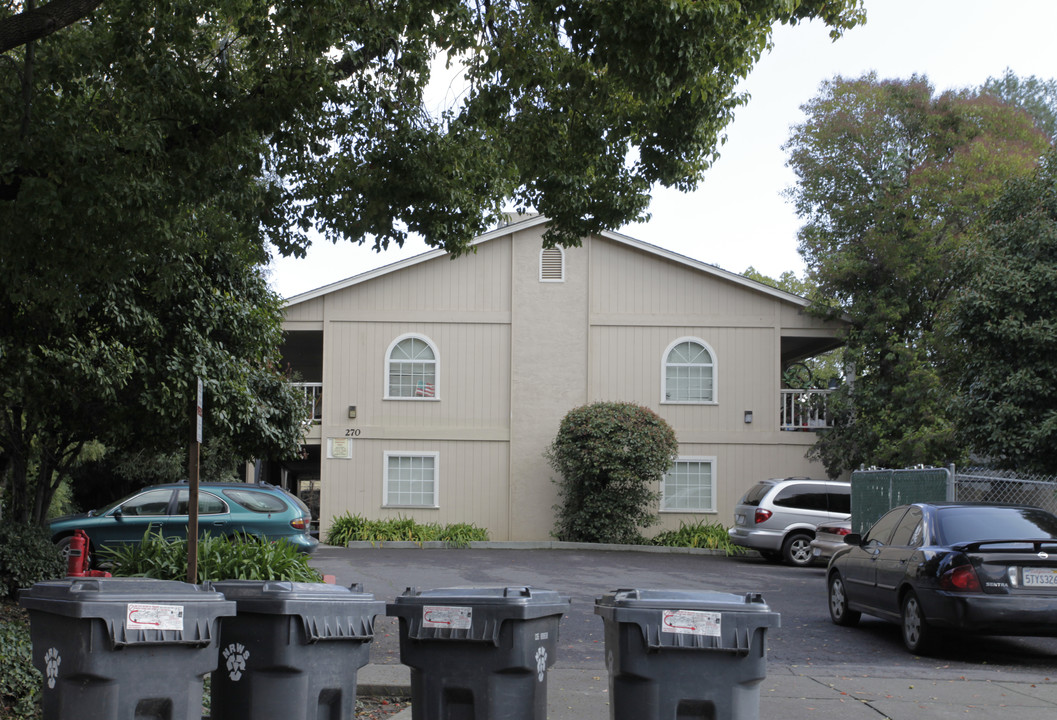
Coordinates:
[438,384]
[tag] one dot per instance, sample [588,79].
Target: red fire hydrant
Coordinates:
[77,560]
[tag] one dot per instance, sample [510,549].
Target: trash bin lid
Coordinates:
[329,612]
[134,610]
[472,613]
[691,599]
[690,619]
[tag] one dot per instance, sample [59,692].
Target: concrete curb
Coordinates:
[536,545]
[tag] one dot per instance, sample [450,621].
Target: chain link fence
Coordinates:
[999,486]
[876,491]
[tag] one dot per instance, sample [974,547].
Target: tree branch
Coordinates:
[37,23]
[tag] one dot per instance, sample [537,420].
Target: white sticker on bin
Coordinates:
[143,616]
[444,616]
[692,622]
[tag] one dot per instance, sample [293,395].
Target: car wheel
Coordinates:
[838,603]
[917,635]
[796,550]
[64,550]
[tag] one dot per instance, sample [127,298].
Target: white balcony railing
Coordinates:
[313,400]
[804,410]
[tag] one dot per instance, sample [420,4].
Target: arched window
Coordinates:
[689,372]
[411,368]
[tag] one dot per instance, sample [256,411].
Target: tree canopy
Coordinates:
[891,177]
[1036,96]
[1002,331]
[323,105]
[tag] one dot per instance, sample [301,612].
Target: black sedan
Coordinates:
[981,569]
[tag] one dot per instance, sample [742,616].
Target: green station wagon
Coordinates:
[224,510]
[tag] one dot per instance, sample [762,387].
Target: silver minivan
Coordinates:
[778,517]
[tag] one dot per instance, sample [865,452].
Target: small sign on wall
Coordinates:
[339,448]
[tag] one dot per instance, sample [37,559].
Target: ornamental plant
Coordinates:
[610,456]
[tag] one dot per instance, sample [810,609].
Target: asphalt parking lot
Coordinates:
[806,637]
[814,669]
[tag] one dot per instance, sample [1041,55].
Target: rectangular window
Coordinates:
[411,479]
[689,383]
[690,486]
[411,379]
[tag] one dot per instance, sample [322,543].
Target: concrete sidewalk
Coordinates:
[818,692]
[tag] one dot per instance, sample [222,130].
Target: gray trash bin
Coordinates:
[292,651]
[687,655]
[478,653]
[123,647]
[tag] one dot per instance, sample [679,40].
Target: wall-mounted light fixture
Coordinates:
[748,416]
[352,412]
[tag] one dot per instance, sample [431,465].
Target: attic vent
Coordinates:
[552,265]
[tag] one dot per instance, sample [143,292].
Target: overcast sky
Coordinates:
[738,217]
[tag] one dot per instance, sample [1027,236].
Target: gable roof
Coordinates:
[535,221]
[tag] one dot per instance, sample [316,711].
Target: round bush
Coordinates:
[610,457]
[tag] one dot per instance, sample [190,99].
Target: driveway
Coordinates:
[806,636]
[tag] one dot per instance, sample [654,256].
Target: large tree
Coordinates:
[1003,330]
[120,369]
[325,101]
[142,141]
[891,177]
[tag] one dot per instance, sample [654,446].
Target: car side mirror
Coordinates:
[118,514]
[853,539]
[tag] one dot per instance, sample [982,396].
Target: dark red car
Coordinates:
[978,569]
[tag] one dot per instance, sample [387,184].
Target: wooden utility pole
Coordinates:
[192,489]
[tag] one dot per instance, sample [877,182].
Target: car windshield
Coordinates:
[969,524]
[111,506]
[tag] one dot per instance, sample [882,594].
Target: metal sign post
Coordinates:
[192,486]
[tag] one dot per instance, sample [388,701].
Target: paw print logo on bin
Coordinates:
[235,656]
[52,660]
[541,663]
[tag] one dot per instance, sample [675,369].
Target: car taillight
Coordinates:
[834,530]
[960,579]
[300,523]
[762,515]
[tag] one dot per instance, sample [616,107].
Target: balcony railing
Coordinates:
[313,400]
[804,410]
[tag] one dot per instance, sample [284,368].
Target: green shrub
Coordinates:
[610,457]
[27,556]
[462,534]
[699,534]
[345,529]
[239,558]
[355,528]
[20,682]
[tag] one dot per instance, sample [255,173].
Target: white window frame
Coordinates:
[385,478]
[389,365]
[664,373]
[561,254]
[711,461]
